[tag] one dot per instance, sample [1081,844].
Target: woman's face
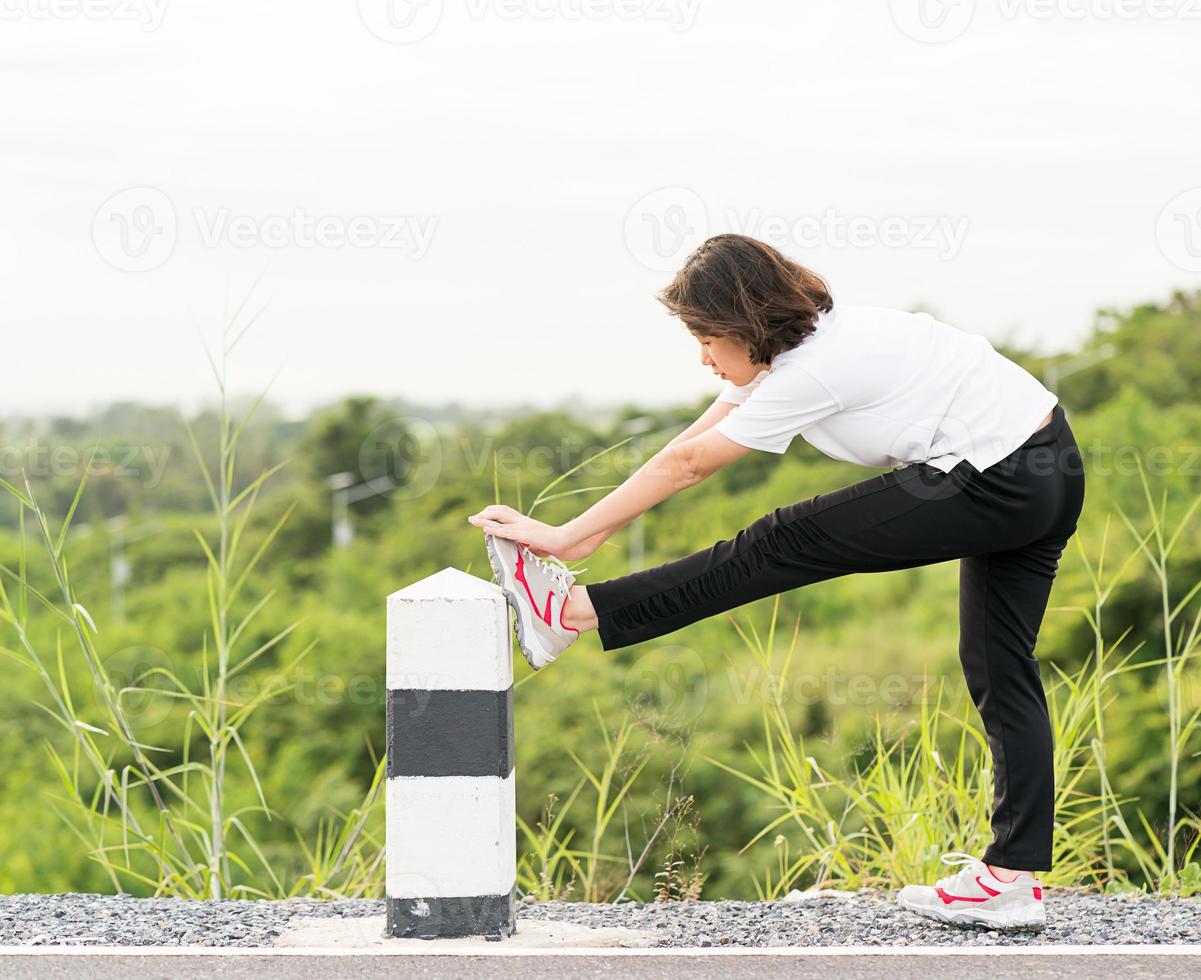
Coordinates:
[728,358]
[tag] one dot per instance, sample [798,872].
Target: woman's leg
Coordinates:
[1002,598]
[578,612]
[912,516]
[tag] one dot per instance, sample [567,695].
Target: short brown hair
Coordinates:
[735,286]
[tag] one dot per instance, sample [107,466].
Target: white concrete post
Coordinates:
[451,813]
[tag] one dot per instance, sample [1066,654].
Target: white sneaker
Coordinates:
[525,579]
[975,896]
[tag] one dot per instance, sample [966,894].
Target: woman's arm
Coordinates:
[675,467]
[710,417]
[682,463]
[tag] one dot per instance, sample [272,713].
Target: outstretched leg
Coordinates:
[913,516]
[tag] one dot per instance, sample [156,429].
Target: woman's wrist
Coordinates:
[570,533]
[575,536]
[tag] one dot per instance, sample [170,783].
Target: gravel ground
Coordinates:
[874,919]
[118,920]
[866,918]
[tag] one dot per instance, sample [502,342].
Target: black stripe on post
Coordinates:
[433,918]
[450,733]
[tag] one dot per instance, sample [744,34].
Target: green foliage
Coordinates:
[868,730]
[169,817]
[1157,351]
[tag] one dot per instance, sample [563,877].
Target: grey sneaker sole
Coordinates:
[1000,919]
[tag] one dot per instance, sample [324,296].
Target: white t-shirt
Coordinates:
[884,387]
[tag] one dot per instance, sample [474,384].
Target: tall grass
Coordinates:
[605,867]
[1178,651]
[151,820]
[928,789]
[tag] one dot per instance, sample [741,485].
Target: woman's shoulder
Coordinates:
[852,339]
[845,324]
[858,313]
[856,326]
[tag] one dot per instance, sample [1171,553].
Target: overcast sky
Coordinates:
[477,199]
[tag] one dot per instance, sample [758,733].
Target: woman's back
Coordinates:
[884,387]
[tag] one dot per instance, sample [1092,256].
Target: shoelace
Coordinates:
[554,568]
[956,858]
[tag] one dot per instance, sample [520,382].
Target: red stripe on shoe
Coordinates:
[948,898]
[519,574]
[562,609]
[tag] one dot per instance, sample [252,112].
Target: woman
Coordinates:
[985,469]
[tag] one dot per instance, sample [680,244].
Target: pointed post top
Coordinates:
[450,583]
[449,631]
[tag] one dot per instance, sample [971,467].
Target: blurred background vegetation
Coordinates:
[641,772]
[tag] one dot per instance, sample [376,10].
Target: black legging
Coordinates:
[1008,525]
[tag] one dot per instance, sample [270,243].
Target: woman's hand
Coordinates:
[542,539]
